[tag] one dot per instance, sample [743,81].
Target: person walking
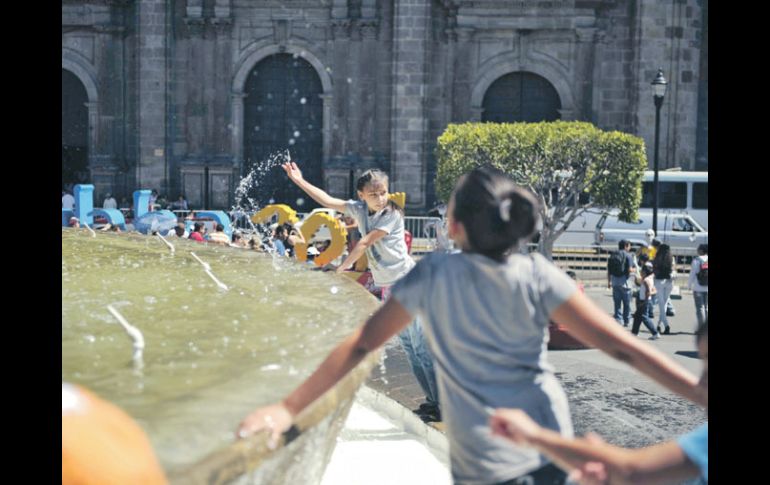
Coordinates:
[620,267]
[698,282]
[663,266]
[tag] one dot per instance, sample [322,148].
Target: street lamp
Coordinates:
[658,92]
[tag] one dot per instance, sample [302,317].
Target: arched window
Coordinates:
[74,130]
[283,110]
[521,96]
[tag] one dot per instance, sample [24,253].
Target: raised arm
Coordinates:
[592,325]
[390,319]
[661,463]
[318,195]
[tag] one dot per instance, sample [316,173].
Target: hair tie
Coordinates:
[505,210]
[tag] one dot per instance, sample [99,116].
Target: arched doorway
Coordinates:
[521,96]
[283,110]
[74,130]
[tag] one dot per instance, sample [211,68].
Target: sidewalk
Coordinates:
[606,396]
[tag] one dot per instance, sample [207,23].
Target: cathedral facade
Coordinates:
[187,96]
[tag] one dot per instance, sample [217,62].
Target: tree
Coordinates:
[558,161]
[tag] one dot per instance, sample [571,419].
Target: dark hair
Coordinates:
[179,231]
[622,244]
[481,198]
[280,230]
[655,243]
[662,261]
[220,227]
[197,226]
[372,176]
[703,248]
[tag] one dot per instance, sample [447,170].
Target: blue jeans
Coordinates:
[701,305]
[622,295]
[420,359]
[642,315]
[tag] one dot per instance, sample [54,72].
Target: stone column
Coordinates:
[411,35]
[151,92]
[584,70]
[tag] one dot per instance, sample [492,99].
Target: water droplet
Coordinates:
[309,127]
[300,202]
[350,80]
[256,128]
[272,201]
[90,338]
[303,100]
[296,55]
[291,141]
[259,108]
[334,290]
[296,134]
[269,95]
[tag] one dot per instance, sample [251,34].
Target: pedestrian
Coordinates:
[594,461]
[620,267]
[665,272]
[486,313]
[67,201]
[109,202]
[381,224]
[670,311]
[644,303]
[219,236]
[698,282]
[198,230]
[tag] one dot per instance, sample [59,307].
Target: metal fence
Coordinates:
[590,262]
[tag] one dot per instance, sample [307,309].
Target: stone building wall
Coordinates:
[165,79]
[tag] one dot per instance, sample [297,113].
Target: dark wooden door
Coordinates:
[521,96]
[283,110]
[74,130]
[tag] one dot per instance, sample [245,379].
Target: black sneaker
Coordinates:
[667,331]
[430,417]
[669,313]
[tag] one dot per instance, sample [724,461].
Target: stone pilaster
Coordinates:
[409,121]
[151,92]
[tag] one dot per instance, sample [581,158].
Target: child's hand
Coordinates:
[293,171]
[275,418]
[514,424]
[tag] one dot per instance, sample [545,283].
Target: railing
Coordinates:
[589,263]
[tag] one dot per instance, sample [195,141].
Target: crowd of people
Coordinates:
[648,276]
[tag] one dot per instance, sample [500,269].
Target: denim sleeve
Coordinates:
[696,446]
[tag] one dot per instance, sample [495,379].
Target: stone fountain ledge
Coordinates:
[383,443]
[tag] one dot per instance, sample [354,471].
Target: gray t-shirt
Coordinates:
[388,257]
[487,327]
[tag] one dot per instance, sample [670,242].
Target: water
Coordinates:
[211,355]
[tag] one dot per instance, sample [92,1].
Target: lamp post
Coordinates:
[658,92]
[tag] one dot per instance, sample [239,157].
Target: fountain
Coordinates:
[212,352]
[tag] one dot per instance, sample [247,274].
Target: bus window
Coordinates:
[671,195]
[700,195]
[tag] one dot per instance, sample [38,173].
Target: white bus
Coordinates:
[678,192]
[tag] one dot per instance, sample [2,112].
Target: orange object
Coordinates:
[102,445]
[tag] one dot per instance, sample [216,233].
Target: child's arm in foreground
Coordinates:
[662,463]
[390,319]
[592,325]
[318,195]
[360,247]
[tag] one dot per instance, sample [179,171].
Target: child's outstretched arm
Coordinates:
[594,459]
[360,247]
[590,324]
[390,319]
[318,195]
